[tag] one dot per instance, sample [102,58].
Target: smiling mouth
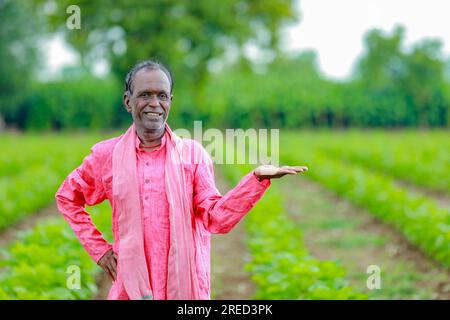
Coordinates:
[153,115]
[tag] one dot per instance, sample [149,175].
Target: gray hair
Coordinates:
[150,65]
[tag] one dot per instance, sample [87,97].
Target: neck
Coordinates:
[150,138]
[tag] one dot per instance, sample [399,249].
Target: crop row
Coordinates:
[420,158]
[48,262]
[281,265]
[419,218]
[26,151]
[36,178]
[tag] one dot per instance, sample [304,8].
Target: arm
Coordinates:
[221,213]
[84,186]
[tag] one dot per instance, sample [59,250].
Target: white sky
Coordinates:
[335,29]
[58,54]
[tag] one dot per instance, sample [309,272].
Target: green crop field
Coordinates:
[398,178]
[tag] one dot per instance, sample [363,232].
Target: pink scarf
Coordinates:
[182,281]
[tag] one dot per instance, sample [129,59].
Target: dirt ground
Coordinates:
[27,223]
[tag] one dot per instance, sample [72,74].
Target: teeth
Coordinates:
[152,116]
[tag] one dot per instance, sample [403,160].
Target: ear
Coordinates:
[126,101]
[169,106]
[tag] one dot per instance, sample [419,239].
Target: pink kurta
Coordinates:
[155,210]
[91,183]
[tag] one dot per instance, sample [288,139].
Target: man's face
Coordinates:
[149,104]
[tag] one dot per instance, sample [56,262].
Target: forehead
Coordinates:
[152,80]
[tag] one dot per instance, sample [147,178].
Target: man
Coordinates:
[164,199]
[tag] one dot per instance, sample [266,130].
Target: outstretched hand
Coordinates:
[269,171]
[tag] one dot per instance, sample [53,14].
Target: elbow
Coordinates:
[60,200]
[215,226]
[61,203]
[64,203]
[59,196]
[217,221]
[218,230]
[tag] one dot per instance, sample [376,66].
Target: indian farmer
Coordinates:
[165,204]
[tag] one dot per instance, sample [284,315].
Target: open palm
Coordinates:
[269,171]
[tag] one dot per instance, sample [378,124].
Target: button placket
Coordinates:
[146,179]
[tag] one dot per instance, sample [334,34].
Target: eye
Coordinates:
[145,94]
[163,96]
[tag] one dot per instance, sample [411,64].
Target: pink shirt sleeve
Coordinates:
[221,213]
[83,186]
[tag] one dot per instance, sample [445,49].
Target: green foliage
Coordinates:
[407,91]
[421,158]
[290,94]
[18,54]
[186,34]
[419,218]
[390,87]
[73,103]
[29,179]
[36,266]
[281,266]
[407,85]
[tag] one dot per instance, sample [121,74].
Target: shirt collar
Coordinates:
[138,143]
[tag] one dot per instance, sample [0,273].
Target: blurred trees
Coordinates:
[72,103]
[184,34]
[19,27]
[407,87]
[391,87]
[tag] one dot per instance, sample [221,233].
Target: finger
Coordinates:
[268,172]
[303,168]
[299,168]
[114,269]
[112,272]
[287,171]
[108,272]
[286,168]
[114,265]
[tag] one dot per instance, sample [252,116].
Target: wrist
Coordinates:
[257,177]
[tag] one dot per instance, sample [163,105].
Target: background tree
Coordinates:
[19,27]
[184,34]
[405,86]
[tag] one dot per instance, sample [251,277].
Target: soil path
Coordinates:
[10,234]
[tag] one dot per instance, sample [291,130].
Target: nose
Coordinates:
[153,101]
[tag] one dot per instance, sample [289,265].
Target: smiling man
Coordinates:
[163,195]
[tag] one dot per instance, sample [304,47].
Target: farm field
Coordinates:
[370,198]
